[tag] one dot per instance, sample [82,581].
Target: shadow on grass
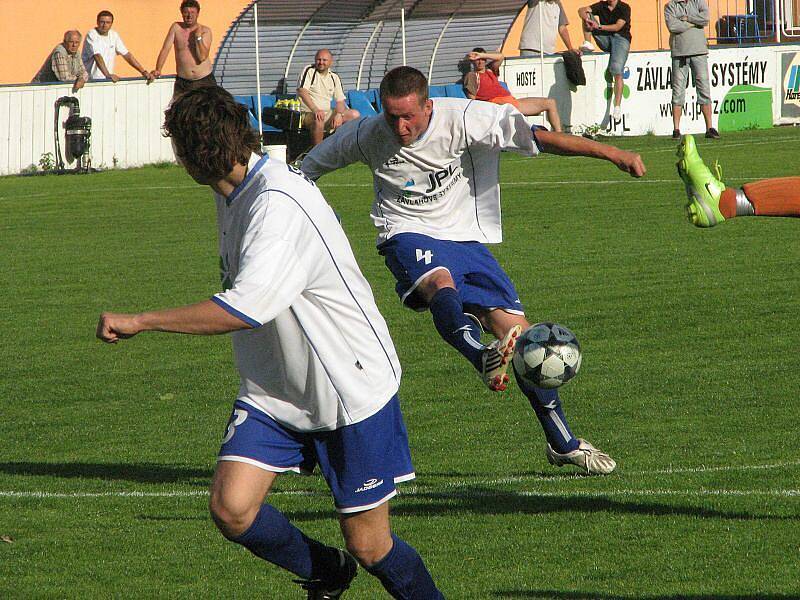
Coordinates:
[142,473]
[558,595]
[491,502]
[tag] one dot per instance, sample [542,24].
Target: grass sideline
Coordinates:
[689,380]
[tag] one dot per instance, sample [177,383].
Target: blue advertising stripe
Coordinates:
[794,80]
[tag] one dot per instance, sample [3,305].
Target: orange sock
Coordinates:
[727,203]
[778,197]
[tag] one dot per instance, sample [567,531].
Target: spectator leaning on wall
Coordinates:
[64,63]
[192,43]
[686,21]
[101,48]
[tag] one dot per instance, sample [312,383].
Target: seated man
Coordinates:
[482,84]
[64,63]
[709,202]
[316,87]
[609,22]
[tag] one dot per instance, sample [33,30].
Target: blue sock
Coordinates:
[455,327]
[547,406]
[404,575]
[273,538]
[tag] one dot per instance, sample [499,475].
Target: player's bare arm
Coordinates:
[203,318]
[570,145]
[164,52]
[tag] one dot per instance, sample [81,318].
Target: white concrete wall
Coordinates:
[126,122]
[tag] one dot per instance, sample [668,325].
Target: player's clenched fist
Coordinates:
[113,327]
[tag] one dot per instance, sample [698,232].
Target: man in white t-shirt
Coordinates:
[435,165]
[319,373]
[317,86]
[548,18]
[101,47]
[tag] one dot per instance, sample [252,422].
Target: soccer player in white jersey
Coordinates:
[435,165]
[319,373]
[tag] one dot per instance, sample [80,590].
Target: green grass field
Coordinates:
[689,380]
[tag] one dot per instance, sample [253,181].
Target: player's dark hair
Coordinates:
[105,13]
[210,131]
[402,81]
[190,4]
[479,49]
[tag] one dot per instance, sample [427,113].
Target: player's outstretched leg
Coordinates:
[703,189]
[710,202]
[464,334]
[495,359]
[563,448]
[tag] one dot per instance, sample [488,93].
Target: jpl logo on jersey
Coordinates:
[436,178]
[427,255]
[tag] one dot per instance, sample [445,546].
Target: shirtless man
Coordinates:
[192,43]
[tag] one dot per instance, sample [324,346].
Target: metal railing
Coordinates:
[788,12]
[743,21]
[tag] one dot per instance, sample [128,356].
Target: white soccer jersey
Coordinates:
[446,184]
[107,46]
[320,356]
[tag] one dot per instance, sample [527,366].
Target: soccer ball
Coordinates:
[547,355]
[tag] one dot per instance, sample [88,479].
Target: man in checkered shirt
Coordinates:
[64,63]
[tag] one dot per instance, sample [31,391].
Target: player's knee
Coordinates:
[231,516]
[368,550]
[434,282]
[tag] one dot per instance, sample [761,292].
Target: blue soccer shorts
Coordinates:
[479,278]
[361,462]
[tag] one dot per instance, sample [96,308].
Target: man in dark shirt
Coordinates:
[609,22]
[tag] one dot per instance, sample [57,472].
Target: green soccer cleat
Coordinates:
[703,190]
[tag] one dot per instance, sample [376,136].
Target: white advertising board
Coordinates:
[747,88]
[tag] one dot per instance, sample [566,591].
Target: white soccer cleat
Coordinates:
[495,360]
[586,457]
[587,46]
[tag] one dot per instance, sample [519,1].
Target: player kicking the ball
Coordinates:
[435,165]
[319,372]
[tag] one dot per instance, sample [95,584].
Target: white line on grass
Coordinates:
[323,185]
[411,491]
[417,490]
